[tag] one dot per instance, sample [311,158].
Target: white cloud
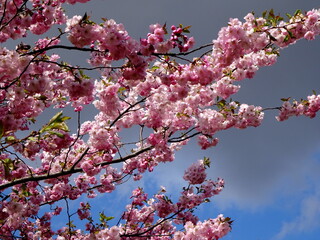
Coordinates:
[308,219]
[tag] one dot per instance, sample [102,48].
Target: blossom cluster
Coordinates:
[308,107]
[144,86]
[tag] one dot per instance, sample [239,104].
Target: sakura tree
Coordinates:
[151,84]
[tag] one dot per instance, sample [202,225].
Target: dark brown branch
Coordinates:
[77,68]
[79,160]
[183,53]
[126,111]
[17,13]
[39,51]
[182,138]
[72,170]
[272,108]
[4,12]
[69,218]
[152,227]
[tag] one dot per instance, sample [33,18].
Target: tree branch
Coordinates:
[39,51]
[72,170]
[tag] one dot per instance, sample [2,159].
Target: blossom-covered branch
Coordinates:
[132,84]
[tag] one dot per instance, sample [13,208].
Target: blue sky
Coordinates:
[272,172]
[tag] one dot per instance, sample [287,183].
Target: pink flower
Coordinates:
[195,174]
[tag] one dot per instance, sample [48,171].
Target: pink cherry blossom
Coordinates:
[149,89]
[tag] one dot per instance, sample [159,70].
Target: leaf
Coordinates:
[57,122]
[104,218]
[286,39]
[206,162]
[278,18]
[288,15]
[155,67]
[221,104]
[164,27]
[60,126]
[59,134]
[33,139]
[25,191]
[298,11]
[285,99]
[42,97]
[186,29]
[10,139]
[271,14]
[55,117]
[290,34]
[264,14]
[85,17]
[121,89]
[8,167]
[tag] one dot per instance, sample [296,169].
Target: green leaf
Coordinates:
[264,14]
[121,89]
[60,126]
[221,104]
[71,224]
[298,11]
[25,191]
[279,18]
[8,165]
[55,117]
[85,17]
[104,218]
[206,162]
[155,67]
[59,134]
[271,13]
[57,122]
[314,92]
[65,118]
[82,74]
[10,139]
[285,99]
[164,27]
[186,29]
[34,139]
[290,34]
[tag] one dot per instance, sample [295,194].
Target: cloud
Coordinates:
[306,221]
[259,165]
